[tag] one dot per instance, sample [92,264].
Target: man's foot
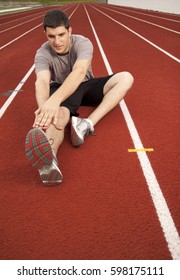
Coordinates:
[51,174]
[41,156]
[79,129]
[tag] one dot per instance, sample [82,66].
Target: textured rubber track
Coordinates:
[103,210]
[37,148]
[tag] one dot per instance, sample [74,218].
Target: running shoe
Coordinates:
[41,156]
[51,174]
[79,129]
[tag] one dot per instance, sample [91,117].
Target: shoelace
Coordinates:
[51,139]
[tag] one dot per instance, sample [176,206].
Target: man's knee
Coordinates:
[125,78]
[63,116]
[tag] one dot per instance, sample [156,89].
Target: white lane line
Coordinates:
[142,20]
[167,224]
[15,92]
[19,24]
[20,18]
[137,34]
[20,36]
[149,15]
[163,213]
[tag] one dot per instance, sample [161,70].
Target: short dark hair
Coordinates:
[55,18]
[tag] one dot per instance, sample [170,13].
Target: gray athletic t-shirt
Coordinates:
[61,65]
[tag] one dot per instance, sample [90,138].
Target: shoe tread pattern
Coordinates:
[37,148]
[53,178]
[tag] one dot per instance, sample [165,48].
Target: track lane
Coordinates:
[149,13]
[166,23]
[150,108]
[23,57]
[22,15]
[17,19]
[149,32]
[20,22]
[17,33]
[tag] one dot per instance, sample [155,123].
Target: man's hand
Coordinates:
[47,114]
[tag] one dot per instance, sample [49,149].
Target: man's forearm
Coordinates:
[70,85]
[42,92]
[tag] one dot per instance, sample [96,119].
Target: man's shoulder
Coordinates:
[81,43]
[80,39]
[44,49]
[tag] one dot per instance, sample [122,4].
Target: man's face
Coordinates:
[59,38]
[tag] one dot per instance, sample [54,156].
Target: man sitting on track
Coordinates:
[64,82]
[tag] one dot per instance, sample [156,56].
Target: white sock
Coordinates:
[91,124]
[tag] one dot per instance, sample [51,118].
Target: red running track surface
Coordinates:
[112,204]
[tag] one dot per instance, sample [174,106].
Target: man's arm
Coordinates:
[48,111]
[72,82]
[42,86]
[41,91]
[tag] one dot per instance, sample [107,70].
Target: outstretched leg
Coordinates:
[55,134]
[41,149]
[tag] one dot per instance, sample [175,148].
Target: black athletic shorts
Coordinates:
[89,93]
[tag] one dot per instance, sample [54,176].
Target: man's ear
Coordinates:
[70,31]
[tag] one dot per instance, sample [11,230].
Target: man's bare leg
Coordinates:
[41,148]
[55,134]
[114,91]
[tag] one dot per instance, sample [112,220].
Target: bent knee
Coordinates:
[127,78]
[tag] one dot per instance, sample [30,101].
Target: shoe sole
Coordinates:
[76,140]
[51,178]
[37,148]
